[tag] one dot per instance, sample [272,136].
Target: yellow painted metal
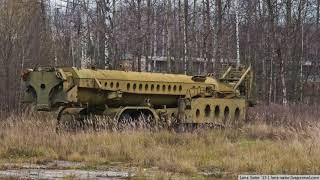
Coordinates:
[110,91]
[142,82]
[217,110]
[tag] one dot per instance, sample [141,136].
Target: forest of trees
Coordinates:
[277,37]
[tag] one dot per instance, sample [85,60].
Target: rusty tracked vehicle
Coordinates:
[190,100]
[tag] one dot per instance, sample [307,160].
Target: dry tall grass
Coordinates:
[274,141]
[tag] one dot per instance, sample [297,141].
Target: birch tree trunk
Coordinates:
[101,35]
[139,35]
[218,34]
[169,35]
[181,39]
[302,14]
[237,33]
[113,47]
[283,82]
[209,40]
[148,37]
[155,44]
[288,52]
[270,5]
[318,13]
[185,38]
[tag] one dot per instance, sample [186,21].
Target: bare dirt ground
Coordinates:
[59,170]
[62,174]
[76,170]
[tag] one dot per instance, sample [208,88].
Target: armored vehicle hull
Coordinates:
[121,94]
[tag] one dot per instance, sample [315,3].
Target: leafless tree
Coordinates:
[279,38]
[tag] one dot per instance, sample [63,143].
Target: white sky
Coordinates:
[58,3]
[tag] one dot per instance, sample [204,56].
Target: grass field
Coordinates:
[275,140]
